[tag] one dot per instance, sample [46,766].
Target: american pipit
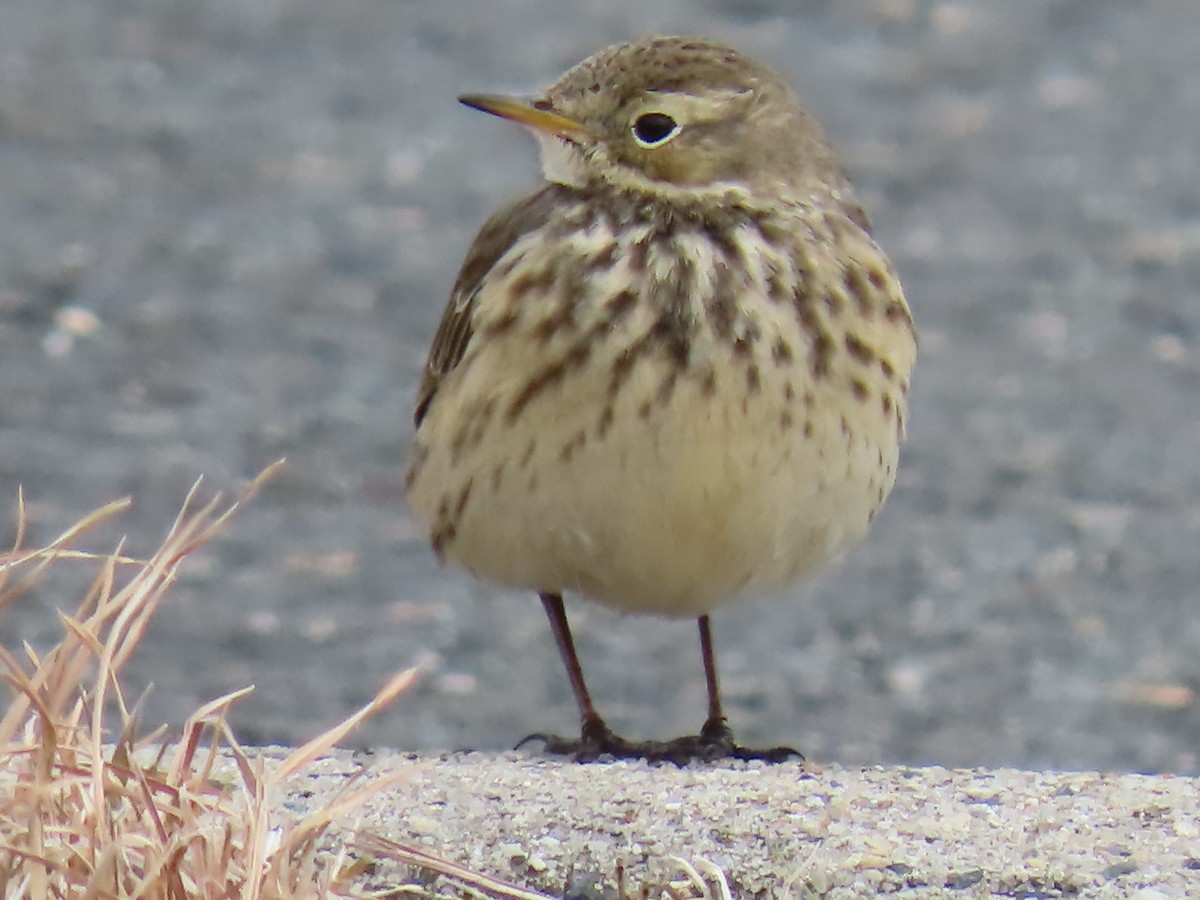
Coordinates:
[672,376]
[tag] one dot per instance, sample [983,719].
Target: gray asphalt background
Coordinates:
[264,203]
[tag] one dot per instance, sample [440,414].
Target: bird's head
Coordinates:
[672,114]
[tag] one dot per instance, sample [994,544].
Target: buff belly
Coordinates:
[669,502]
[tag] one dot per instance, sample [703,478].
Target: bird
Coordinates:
[673,375]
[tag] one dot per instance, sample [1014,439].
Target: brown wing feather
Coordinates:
[497,236]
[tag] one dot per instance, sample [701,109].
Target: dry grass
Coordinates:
[92,808]
[703,880]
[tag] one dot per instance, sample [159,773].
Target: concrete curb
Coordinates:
[775,831]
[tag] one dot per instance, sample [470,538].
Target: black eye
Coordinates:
[654,128]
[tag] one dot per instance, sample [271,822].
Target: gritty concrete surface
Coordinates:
[792,830]
[228,228]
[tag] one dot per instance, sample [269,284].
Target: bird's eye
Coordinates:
[654,128]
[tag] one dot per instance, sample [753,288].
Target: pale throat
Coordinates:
[561,161]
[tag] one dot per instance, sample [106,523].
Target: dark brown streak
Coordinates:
[753,379]
[559,320]
[672,330]
[781,352]
[537,281]
[821,354]
[548,375]
[859,349]
[602,261]
[619,306]
[858,286]
[720,308]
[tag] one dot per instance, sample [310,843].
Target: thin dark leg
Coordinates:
[716,737]
[716,731]
[595,739]
[557,615]
[715,713]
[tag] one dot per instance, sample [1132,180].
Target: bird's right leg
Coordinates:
[595,738]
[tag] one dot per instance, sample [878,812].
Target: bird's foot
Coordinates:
[595,740]
[714,742]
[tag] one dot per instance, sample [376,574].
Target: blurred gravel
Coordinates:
[227,230]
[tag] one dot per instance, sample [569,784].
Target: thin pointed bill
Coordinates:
[523,110]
